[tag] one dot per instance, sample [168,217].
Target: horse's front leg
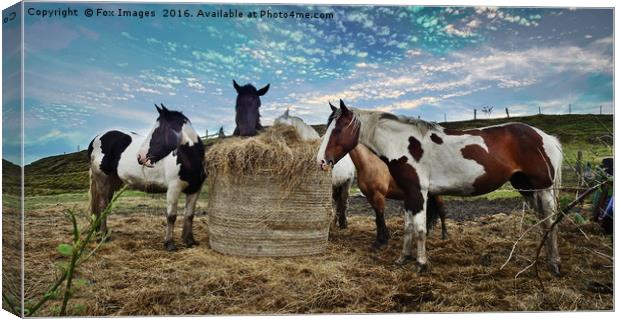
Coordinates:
[172,199]
[415,226]
[419,229]
[340,195]
[442,216]
[377,201]
[188,220]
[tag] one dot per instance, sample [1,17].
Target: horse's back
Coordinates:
[306,131]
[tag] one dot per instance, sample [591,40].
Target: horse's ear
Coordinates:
[237,87]
[343,107]
[163,108]
[158,109]
[262,91]
[332,107]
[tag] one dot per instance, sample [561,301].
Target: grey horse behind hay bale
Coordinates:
[266,197]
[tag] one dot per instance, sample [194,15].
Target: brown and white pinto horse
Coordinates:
[376,183]
[424,158]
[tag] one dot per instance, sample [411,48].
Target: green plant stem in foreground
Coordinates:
[79,248]
[74,257]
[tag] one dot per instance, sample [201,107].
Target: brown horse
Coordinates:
[424,158]
[376,183]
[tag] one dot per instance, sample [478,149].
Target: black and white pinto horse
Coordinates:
[247,117]
[343,173]
[426,158]
[169,160]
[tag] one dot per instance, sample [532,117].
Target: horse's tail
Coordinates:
[553,148]
[93,194]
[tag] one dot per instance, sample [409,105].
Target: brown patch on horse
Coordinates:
[415,148]
[407,179]
[513,148]
[495,172]
[436,139]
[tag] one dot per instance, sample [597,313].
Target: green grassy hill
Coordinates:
[592,134]
[57,174]
[11,175]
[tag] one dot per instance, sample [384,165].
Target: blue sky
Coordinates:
[84,75]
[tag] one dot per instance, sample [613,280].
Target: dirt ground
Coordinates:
[457,209]
[133,275]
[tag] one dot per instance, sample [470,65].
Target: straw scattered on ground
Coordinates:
[134,275]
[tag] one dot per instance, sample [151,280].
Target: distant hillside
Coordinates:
[11,174]
[590,133]
[57,174]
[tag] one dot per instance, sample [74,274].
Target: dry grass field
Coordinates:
[133,275]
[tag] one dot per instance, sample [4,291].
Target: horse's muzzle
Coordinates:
[145,161]
[326,165]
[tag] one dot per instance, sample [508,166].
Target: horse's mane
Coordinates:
[174,115]
[372,119]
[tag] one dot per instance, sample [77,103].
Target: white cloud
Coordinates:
[127,35]
[147,90]
[409,104]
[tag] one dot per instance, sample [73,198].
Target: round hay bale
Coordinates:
[267,197]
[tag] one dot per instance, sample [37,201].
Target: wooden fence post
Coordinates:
[569,108]
[539,112]
[507,114]
[600,110]
[445,118]
[474,114]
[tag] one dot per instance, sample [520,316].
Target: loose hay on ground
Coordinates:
[133,275]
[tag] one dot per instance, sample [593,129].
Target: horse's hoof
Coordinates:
[190,242]
[377,245]
[422,268]
[342,225]
[445,237]
[555,270]
[170,246]
[402,260]
[105,237]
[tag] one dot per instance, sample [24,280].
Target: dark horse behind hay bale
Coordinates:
[247,117]
[169,160]
[376,183]
[424,158]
